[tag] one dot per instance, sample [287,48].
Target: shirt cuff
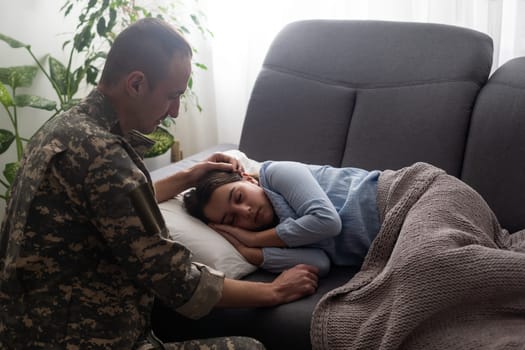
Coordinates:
[206,295]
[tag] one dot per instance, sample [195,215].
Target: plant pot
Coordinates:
[159,161]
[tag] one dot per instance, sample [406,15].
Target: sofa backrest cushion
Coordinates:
[495,155]
[370,94]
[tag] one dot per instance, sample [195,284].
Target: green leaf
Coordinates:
[65,44]
[5,97]
[84,38]
[10,171]
[201,66]
[101,26]
[146,12]
[68,10]
[59,74]
[167,122]
[112,18]
[19,76]
[15,44]
[74,81]
[195,19]
[91,75]
[95,56]
[6,139]
[35,102]
[70,103]
[64,6]
[163,141]
[77,77]
[184,30]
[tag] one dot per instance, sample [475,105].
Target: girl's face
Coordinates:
[242,204]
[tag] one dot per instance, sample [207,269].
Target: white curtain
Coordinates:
[243,30]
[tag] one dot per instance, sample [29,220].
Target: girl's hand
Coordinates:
[247,238]
[253,239]
[253,255]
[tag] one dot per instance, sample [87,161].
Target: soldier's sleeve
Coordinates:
[142,249]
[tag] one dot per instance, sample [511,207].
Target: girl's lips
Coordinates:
[256,217]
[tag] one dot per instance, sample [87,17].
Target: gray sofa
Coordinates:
[374,95]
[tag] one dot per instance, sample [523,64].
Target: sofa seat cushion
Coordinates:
[283,327]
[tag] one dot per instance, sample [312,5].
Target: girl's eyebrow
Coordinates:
[230,194]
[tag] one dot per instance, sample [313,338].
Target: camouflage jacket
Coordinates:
[78,268]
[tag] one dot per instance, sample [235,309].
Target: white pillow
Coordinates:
[250,166]
[208,247]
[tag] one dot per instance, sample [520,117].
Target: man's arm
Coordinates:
[290,285]
[172,185]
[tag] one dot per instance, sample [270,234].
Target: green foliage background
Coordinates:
[98,23]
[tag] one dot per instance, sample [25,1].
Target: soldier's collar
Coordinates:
[102,109]
[139,142]
[99,107]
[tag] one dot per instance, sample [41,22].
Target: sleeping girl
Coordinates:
[292,213]
[435,264]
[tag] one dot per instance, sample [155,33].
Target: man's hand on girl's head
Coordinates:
[217,161]
[218,157]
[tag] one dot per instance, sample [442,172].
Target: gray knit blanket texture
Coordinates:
[441,274]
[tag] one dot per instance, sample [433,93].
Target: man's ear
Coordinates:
[249,178]
[136,83]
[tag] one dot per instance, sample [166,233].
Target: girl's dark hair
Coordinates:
[196,199]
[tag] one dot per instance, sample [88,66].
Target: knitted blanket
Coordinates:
[441,274]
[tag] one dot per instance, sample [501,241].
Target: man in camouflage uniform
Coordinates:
[83,247]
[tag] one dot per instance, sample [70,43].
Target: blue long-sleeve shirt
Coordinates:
[326,214]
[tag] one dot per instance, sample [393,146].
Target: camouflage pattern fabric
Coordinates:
[77,268]
[226,343]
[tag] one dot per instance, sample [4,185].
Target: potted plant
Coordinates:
[160,154]
[12,78]
[98,24]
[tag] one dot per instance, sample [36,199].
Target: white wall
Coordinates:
[198,130]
